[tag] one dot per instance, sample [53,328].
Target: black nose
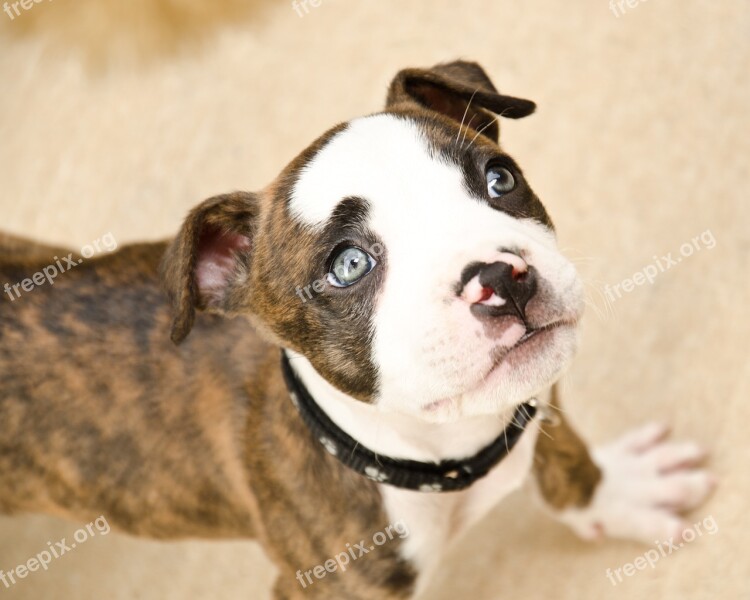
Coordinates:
[513,285]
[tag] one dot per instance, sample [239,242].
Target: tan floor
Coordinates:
[118,120]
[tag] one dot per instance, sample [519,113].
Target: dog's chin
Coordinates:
[516,375]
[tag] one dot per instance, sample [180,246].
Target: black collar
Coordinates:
[445,476]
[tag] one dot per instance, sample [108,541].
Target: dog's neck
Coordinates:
[396,434]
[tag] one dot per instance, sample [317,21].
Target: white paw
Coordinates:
[646,482]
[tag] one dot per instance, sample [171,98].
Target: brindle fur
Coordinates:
[563,470]
[102,413]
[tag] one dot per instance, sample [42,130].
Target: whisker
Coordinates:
[558,408]
[466,111]
[540,429]
[494,120]
[468,126]
[579,259]
[595,297]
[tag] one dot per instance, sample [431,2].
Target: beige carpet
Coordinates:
[118,116]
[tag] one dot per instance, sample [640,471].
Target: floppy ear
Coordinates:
[205,260]
[460,90]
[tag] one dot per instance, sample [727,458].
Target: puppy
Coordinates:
[374,343]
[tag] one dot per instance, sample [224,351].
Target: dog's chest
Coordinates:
[436,520]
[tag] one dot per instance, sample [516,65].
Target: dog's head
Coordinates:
[403,253]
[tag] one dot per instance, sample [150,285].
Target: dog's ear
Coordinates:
[460,90]
[207,257]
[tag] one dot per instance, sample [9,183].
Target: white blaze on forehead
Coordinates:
[426,345]
[419,204]
[377,157]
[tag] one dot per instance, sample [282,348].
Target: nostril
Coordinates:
[485,294]
[518,265]
[501,288]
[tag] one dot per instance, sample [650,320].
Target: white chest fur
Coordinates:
[434,520]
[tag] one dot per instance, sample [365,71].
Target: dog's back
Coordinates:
[99,408]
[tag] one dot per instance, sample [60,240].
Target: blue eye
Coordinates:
[349,266]
[500,181]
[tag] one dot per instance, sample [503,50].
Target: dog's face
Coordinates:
[403,254]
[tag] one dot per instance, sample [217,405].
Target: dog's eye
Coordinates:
[349,266]
[500,181]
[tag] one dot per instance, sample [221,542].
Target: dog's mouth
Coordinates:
[530,343]
[529,346]
[532,332]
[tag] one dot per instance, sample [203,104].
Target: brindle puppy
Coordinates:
[413,277]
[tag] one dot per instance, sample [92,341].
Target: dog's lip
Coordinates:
[531,333]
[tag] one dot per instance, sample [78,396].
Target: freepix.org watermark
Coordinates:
[662,550]
[11,8]
[660,265]
[618,7]
[53,551]
[305,5]
[106,243]
[341,561]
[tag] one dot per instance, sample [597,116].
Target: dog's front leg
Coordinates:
[633,488]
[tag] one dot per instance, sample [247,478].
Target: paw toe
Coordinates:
[644,437]
[671,457]
[650,525]
[684,490]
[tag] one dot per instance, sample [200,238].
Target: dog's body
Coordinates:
[419,350]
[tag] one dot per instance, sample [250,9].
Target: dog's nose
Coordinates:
[500,288]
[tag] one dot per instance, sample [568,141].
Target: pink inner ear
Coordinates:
[216,261]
